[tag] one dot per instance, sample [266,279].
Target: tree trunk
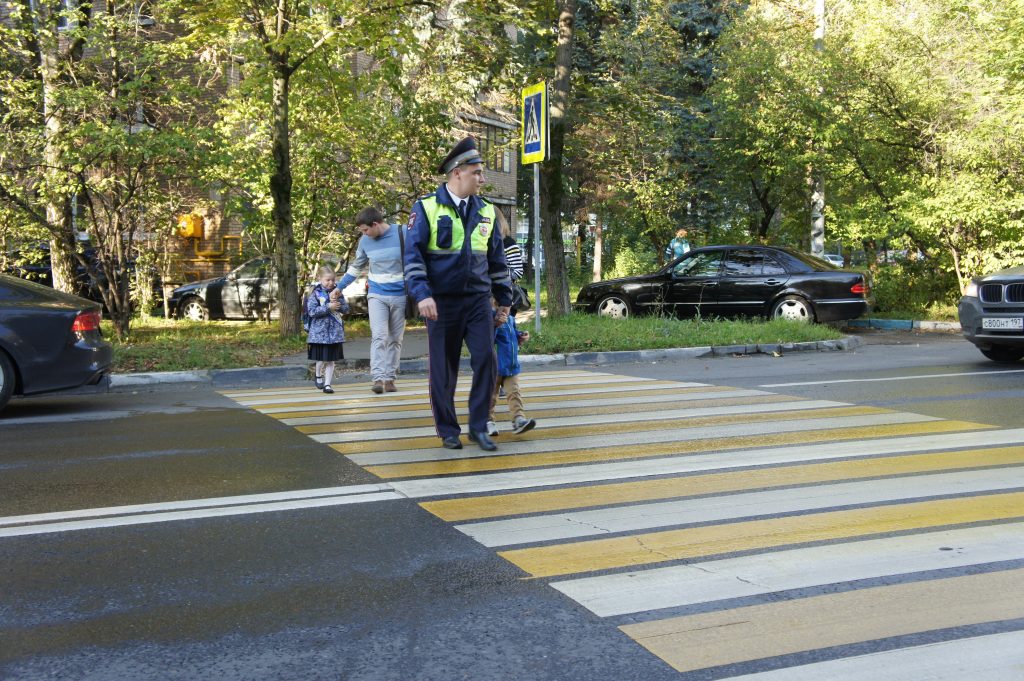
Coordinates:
[58,204]
[281,192]
[598,248]
[552,185]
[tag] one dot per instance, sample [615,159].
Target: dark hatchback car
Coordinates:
[247,292]
[734,281]
[48,340]
[991,314]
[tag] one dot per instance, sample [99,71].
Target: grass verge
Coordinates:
[589,333]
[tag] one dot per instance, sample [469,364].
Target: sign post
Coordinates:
[534,126]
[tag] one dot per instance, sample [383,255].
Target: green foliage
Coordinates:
[912,285]
[630,261]
[590,333]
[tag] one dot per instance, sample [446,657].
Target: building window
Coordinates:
[493,143]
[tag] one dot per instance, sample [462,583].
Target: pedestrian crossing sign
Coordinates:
[535,123]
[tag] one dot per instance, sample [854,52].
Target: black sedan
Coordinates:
[734,281]
[48,340]
[247,292]
[991,314]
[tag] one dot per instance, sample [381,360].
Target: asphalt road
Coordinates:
[279,534]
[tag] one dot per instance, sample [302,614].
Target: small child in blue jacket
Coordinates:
[506,345]
[325,306]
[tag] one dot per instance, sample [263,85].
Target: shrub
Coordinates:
[630,261]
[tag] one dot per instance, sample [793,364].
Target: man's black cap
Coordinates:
[464,153]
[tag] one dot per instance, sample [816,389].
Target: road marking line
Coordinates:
[730,437]
[208,502]
[892,378]
[554,441]
[718,459]
[496,506]
[619,519]
[212,512]
[996,657]
[559,388]
[695,542]
[760,631]
[719,580]
[379,404]
[610,405]
[645,419]
[531,377]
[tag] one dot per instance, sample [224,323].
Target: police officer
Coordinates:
[454,264]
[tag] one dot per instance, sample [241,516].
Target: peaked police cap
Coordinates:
[464,153]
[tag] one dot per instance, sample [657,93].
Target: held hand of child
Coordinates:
[334,305]
[335,293]
[523,336]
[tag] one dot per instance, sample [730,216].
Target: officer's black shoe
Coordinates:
[451,442]
[482,439]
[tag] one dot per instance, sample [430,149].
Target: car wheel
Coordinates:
[1002,353]
[614,306]
[195,309]
[794,308]
[7,379]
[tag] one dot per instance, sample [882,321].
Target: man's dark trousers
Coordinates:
[459,318]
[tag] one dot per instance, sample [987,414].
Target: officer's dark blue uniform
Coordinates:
[461,265]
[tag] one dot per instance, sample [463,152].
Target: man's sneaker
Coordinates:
[378,387]
[522,424]
[492,428]
[389,386]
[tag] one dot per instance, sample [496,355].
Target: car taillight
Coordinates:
[86,321]
[860,289]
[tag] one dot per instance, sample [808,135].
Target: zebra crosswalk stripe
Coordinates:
[718,526]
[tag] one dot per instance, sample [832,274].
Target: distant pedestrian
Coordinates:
[678,246]
[380,252]
[325,306]
[454,264]
[507,339]
[514,260]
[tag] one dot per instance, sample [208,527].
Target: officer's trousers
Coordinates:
[470,319]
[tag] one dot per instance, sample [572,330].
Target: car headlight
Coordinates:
[971,291]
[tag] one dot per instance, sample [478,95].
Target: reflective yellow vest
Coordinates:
[444,241]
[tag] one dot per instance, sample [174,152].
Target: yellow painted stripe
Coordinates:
[496,506]
[674,423]
[394,424]
[536,392]
[620,452]
[366,406]
[656,547]
[786,627]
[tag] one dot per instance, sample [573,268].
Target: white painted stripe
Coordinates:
[997,657]
[894,378]
[679,415]
[636,591]
[692,463]
[218,512]
[607,384]
[325,401]
[525,377]
[734,506]
[196,503]
[642,437]
[670,397]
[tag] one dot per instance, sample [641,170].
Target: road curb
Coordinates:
[902,325]
[300,372]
